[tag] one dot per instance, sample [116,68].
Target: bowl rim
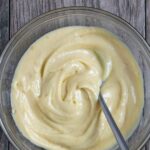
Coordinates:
[64,9]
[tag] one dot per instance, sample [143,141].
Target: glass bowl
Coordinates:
[71,16]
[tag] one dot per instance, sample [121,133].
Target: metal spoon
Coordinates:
[119,137]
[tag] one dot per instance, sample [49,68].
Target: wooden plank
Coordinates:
[133,11]
[4,143]
[147,34]
[144,148]
[4,37]
[11,147]
[23,11]
[148,21]
[4,23]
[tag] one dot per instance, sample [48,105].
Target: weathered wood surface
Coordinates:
[147,33]
[4,38]
[22,11]
[4,23]
[147,29]
[136,12]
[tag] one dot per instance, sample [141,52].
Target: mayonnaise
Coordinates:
[55,89]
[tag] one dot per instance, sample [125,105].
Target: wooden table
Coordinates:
[15,13]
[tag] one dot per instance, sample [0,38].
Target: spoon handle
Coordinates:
[120,139]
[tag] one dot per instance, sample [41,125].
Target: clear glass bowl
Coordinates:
[69,17]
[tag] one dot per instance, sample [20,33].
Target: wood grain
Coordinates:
[147,33]
[4,143]
[148,21]
[22,11]
[4,37]
[4,23]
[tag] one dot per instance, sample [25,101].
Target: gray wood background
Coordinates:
[15,13]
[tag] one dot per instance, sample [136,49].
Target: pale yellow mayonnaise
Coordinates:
[56,84]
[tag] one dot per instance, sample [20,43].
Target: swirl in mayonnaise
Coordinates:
[56,84]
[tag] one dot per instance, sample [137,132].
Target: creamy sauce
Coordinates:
[56,84]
